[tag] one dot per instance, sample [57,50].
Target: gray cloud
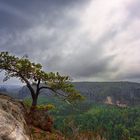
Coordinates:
[135,9]
[88,40]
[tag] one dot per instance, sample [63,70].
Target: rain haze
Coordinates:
[89,40]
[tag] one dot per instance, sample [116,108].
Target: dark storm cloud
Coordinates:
[86,39]
[19,17]
[19,14]
[88,61]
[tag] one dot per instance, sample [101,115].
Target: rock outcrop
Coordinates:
[109,100]
[12,123]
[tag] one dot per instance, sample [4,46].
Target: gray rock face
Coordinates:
[12,122]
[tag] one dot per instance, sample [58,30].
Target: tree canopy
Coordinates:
[32,74]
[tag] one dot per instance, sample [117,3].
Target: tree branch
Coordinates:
[24,79]
[28,85]
[45,87]
[37,87]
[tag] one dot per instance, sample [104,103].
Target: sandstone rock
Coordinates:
[12,122]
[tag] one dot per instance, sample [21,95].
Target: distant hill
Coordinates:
[118,93]
[12,90]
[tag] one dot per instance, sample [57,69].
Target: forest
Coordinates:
[110,122]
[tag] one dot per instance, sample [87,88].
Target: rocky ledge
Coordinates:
[12,123]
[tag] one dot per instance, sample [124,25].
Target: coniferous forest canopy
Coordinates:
[70,69]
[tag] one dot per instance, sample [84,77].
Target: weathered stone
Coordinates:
[12,122]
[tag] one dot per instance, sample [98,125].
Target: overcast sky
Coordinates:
[89,40]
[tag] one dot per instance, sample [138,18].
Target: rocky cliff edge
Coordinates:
[12,123]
